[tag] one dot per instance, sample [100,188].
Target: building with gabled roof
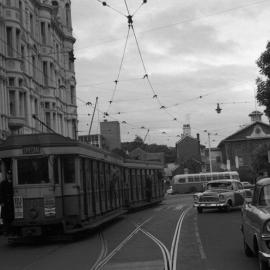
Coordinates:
[239,148]
[188,152]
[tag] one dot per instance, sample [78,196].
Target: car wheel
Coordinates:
[247,250]
[228,206]
[200,210]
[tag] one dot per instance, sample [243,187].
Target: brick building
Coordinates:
[37,67]
[239,148]
[188,152]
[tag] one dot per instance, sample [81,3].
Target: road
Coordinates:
[169,236]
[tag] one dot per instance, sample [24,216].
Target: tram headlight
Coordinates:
[221,198]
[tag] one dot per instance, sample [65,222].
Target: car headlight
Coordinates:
[221,198]
[267,226]
[196,198]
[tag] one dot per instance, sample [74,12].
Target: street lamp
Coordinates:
[209,149]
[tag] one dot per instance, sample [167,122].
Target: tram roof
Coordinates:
[41,139]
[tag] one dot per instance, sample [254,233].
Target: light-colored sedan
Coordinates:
[220,194]
[256,224]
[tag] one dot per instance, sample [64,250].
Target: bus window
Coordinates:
[33,171]
[226,176]
[196,178]
[208,178]
[215,177]
[190,179]
[181,180]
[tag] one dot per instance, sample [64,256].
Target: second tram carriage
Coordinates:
[188,183]
[64,186]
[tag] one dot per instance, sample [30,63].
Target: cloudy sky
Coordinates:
[196,54]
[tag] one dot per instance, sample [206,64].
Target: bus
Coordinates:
[189,183]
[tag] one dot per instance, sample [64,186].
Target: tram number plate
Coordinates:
[18,207]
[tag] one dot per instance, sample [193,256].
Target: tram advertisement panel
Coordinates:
[18,207]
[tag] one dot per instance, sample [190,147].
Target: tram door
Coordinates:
[84,188]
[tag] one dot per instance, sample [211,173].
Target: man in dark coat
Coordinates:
[6,201]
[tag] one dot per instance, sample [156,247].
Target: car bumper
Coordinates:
[209,205]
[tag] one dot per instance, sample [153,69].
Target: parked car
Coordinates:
[256,224]
[221,194]
[247,185]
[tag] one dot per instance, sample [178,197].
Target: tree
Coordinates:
[263,83]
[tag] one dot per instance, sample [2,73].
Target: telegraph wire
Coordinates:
[182,22]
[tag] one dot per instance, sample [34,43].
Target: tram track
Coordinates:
[169,257]
[106,259]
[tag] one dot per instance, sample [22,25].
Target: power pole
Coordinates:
[93,116]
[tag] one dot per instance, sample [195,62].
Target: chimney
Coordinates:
[255,116]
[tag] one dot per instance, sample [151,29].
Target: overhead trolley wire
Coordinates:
[119,71]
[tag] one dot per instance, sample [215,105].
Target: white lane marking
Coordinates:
[145,265]
[116,249]
[175,243]
[164,250]
[198,238]
[103,252]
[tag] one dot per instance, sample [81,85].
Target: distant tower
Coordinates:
[255,116]
[186,130]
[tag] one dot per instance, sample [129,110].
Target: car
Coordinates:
[255,224]
[247,185]
[221,194]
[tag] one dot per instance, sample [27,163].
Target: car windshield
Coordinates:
[264,198]
[219,185]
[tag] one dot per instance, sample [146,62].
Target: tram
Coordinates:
[62,186]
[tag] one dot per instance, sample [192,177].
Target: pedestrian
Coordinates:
[6,202]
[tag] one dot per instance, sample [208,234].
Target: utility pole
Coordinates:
[93,116]
[209,149]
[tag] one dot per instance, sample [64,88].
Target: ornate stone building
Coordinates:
[37,68]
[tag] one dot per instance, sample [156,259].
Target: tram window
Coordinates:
[69,169]
[33,171]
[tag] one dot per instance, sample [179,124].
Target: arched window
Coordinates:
[68,21]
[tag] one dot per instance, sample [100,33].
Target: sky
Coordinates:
[172,67]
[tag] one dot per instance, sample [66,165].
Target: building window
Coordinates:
[72,94]
[9,42]
[8,3]
[12,103]
[68,21]
[47,105]
[43,32]
[48,119]
[45,73]
[31,24]
[11,81]
[218,159]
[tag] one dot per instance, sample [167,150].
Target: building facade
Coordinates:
[37,68]
[110,131]
[239,150]
[96,140]
[188,152]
